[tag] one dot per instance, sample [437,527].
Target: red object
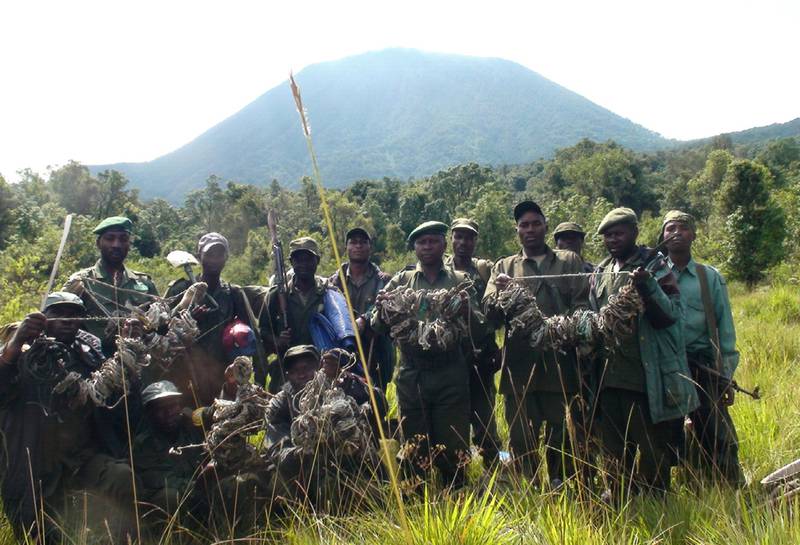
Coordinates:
[238,339]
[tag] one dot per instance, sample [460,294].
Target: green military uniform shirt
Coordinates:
[538,370]
[300,309]
[695,327]
[102,299]
[479,271]
[363,292]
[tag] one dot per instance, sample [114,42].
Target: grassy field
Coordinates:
[513,511]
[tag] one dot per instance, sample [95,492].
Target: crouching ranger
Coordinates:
[52,450]
[710,339]
[645,388]
[433,383]
[318,449]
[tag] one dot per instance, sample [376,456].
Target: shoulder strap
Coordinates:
[711,315]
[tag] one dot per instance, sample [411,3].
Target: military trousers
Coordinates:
[483,399]
[712,444]
[435,413]
[539,419]
[625,429]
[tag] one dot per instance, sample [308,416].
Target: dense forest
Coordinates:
[746,198]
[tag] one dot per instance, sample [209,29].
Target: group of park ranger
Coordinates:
[142,405]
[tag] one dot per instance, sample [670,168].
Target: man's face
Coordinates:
[430,248]
[114,245]
[302,371]
[213,260]
[359,248]
[684,236]
[166,413]
[464,242]
[620,240]
[531,230]
[570,241]
[304,264]
[63,331]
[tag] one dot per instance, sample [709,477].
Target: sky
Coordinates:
[109,81]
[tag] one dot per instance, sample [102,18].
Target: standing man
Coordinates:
[433,385]
[202,369]
[541,386]
[483,366]
[364,281]
[645,388]
[305,296]
[51,448]
[109,286]
[571,236]
[710,339]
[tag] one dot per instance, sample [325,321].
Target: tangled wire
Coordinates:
[583,328]
[233,421]
[330,418]
[431,319]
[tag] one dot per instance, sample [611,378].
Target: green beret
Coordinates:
[427,228]
[63,298]
[464,223]
[300,351]
[304,243]
[617,217]
[568,227]
[120,223]
[676,215]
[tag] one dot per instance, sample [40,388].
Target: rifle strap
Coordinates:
[711,315]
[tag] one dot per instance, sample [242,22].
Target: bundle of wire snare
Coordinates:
[234,421]
[329,419]
[431,319]
[181,333]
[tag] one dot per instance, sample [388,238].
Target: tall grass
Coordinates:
[506,509]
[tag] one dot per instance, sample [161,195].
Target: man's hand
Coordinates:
[31,327]
[640,277]
[132,329]
[502,281]
[199,311]
[361,324]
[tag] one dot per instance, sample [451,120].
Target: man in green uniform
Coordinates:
[433,385]
[483,366]
[306,292]
[364,280]
[52,451]
[644,385]
[541,386]
[201,370]
[710,338]
[109,286]
[571,236]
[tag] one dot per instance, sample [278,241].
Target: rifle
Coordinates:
[280,269]
[755,393]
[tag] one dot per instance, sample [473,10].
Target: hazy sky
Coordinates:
[110,81]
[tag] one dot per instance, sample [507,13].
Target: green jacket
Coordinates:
[671,393]
[695,326]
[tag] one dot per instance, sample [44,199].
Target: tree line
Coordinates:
[746,199]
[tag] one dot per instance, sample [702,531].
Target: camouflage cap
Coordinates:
[568,227]
[427,228]
[64,298]
[119,223]
[307,244]
[211,239]
[679,216]
[298,352]
[357,231]
[464,223]
[616,217]
[159,390]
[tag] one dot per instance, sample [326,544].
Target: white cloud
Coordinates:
[101,81]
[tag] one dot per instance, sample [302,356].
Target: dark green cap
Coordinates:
[120,223]
[63,298]
[427,228]
[299,351]
[159,390]
[617,217]
[676,215]
[464,223]
[357,231]
[304,243]
[568,227]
